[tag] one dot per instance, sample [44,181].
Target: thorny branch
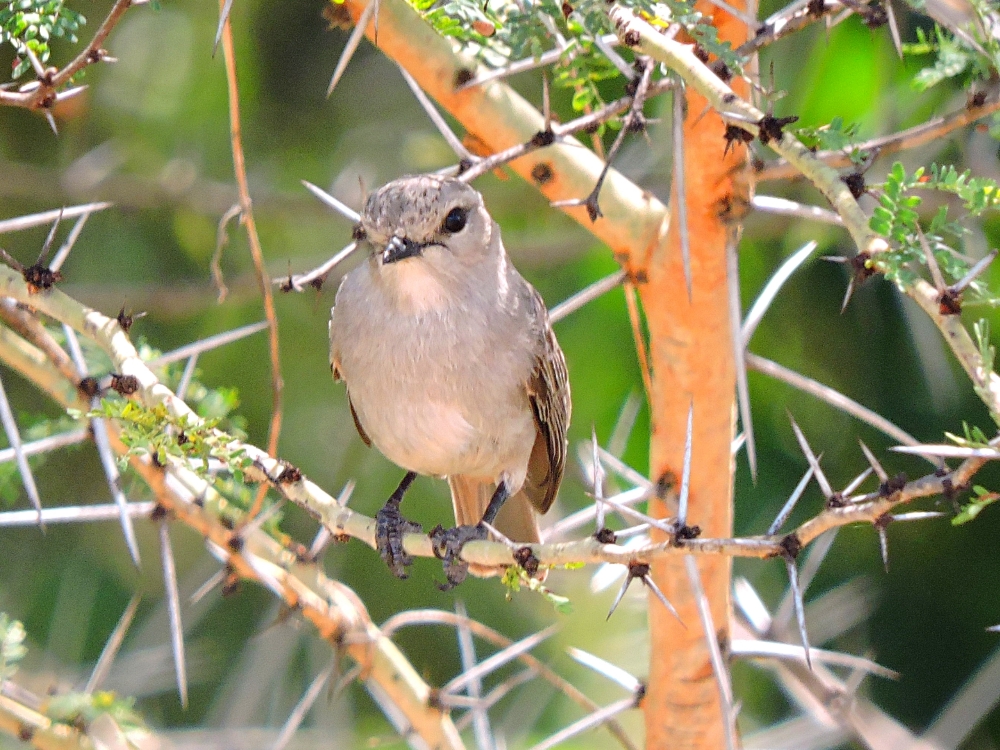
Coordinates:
[46,91]
[926,132]
[866,508]
[183,495]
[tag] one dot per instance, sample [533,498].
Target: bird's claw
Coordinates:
[447,545]
[390,526]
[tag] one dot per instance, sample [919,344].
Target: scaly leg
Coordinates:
[448,543]
[390,527]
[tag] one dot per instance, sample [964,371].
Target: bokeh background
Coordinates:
[152,135]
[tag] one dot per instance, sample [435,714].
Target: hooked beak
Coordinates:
[400,248]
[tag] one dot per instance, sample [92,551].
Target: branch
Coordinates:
[918,135]
[681,59]
[335,610]
[38,730]
[106,332]
[46,92]
[246,212]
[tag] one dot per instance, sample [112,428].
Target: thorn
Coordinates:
[23,467]
[223,17]
[598,478]
[811,458]
[974,272]
[112,646]
[651,585]
[881,523]
[739,350]
[174,610]
[47,246]
[786,510]
[800,612]
[847,295]
[352,44]
[883,477]
[605,668]
[682,505]
[621,593]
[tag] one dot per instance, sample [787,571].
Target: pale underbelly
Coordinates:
[442,439]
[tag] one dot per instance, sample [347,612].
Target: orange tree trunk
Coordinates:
[692,361]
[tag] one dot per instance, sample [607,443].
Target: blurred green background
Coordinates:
[152,135]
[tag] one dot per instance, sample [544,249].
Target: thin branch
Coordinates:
[246,209]
[785,22]
[316,277]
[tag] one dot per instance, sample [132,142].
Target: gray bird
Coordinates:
[451,366]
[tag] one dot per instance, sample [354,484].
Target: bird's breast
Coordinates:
[438,393]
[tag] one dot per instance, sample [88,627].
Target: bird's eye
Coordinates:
[455,220]
[358,233]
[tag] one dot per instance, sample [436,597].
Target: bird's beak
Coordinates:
[400,248]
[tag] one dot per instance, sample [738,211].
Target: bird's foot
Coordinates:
[390,526]
[447,545]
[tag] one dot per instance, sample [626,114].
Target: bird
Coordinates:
[451,367]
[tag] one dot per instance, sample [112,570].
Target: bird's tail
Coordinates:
[517,520]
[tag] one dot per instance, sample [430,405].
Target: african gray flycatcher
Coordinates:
[451,366]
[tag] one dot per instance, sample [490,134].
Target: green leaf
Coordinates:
[983,498]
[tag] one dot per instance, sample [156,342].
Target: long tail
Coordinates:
[517,519]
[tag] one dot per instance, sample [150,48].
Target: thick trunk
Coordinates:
[692,362]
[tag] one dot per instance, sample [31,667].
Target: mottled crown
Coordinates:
[415,206]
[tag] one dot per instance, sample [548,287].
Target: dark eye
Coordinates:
[455,220]
[358,233]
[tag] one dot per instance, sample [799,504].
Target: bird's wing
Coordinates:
[548,394]
[335,369]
